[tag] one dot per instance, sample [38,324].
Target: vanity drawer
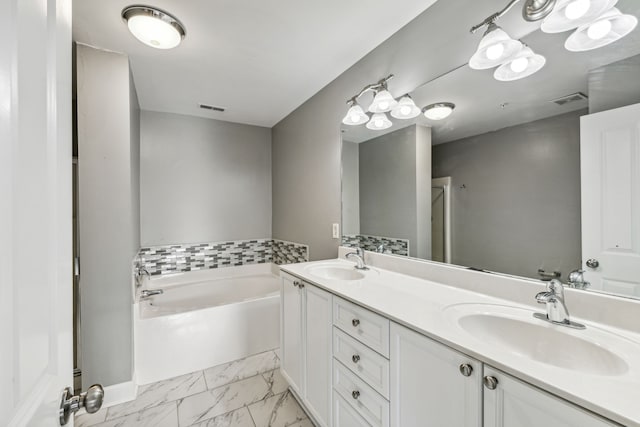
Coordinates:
[361,360]
[362,324]
[367,403]
[344,415]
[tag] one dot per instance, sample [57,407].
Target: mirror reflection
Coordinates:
[536,177]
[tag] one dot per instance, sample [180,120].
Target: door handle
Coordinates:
[91,400]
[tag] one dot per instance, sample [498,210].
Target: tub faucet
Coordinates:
[147,293]
[358,254]
[557,312]
[139,273]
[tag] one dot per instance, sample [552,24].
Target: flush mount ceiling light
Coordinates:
[494,49]
[154,27]
[606,29]
[406,109]
[355,115]
[524,64]
[438,111]
[379,121]
[570,14]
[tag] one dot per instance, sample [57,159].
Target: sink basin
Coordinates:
[591,351]
[336,272]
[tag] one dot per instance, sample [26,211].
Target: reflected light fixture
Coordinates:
[355,115]
[383,101]
[438,111]
[379,121]
[406,108]
[494,49]
[610,27]
[522,65]
[154,27]
[570,14]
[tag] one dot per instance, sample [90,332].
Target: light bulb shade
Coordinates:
[406,109]
[439,110]
[600,33]
[379,121]
[355,116]
[154,27]
[382,102]
[570,14]
[524,64]
[494,49]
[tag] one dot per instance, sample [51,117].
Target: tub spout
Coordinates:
[146,293]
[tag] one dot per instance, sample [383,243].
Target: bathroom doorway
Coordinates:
[441,219]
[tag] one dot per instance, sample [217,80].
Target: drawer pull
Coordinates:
[296,283]
[355,322]
[355,358]
[466,369]
[355,394]
[490,382]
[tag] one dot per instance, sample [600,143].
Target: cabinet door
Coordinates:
[318,353]
[428,388]
[291,312]
[516,404]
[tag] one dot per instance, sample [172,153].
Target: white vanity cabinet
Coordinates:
[431,384]
[509,402]
[306,322]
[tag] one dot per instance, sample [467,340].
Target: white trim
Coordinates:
[445,183]
[120,393]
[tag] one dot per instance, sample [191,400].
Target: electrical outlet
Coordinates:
[336,231]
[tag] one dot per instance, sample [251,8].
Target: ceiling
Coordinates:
[258,60]
[479,98]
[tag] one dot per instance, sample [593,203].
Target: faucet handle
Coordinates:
[556,287]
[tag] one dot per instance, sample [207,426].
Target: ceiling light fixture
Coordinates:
[494,49]
[355,115]
[383,101]
[406,109]
[438,111]
[610,27]
[524,64]
[570,14]
[379,121]
[154,27]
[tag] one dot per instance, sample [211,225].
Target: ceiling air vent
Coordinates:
[211,107]
[574,97]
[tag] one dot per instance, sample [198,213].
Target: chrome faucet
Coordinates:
[557,312]
[139,272]
[576,279]
[147,293]
[359,256]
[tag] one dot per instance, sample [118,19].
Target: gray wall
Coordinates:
[395,187]
[203,180]
[108,141]
[520,210]
[350,189]
[306,144]
[614,85]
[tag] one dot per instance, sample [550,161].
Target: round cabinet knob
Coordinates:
[301,285]
[466,369]
[93,398]
[355,322]
[593,263]
[490,382]
[355,358]
[296,283]
[355,394]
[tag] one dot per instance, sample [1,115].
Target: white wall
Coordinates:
[350,189]
[203,180]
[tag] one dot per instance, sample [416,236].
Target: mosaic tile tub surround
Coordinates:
[199,256]
[371,243]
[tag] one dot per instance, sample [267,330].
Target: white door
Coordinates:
[610,170]
[35,215]
[291,328]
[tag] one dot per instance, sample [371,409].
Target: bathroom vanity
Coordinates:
[381,348]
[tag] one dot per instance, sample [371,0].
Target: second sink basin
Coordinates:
[517,331]
[336,272]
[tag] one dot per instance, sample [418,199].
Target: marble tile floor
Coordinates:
[246,393]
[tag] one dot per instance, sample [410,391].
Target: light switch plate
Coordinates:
[336,231]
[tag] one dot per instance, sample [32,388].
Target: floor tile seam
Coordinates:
[239,380]
[137,412]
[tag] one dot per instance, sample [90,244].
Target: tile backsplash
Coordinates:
[371,243]
[199,256]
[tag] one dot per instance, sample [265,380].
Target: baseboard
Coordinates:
[120,393]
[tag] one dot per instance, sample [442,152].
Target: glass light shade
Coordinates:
[524,64]
[153,27]
[599,33]
[439,110]
[379,121]
[382,102]
[355,116]
[406,109]
[495,47]
[570,14]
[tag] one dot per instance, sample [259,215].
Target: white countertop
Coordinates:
[421,305]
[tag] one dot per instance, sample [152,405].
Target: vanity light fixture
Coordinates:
[406,108]
[355,115]
[522,65]
[611,26]
[379,121]
[438,111]
[570,14]
[154,27]
[494,49]
[383,101]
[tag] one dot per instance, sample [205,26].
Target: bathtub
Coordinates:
[204,318]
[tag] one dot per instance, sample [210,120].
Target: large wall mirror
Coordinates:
[505,183]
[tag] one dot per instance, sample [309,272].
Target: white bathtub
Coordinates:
[205,318]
